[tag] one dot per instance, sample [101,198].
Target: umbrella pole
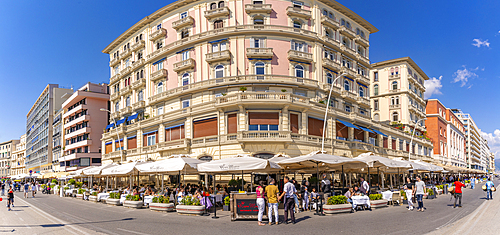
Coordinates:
[378,175]
[162,179]
[242,181]
[179,180]
[215,203]
[343,178]
[107,177]
[369,178]
[397,179]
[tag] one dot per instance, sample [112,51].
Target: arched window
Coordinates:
[205,158]
[395,117]
[297,24]
[330,15]
[361,92]
[329,78]
[392,71]
[142,73]
[397,70]
[259,20]
[185,34]
[342,22]
[219,71]
[328,33]
[361,51]
[140,96]
[259,68]
[264,155]
[348,25]
[185,79]
[221,4]
[397,99]
[138,75]
[218,24]
[347,85]
[213,6]
[140,36]
[299,71]
[159,88]
[375,90]
[117,106]
[346,42]
[127,101]
[394,85]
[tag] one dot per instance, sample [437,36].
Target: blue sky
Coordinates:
[61,41]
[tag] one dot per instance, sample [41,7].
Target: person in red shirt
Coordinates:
[458,193]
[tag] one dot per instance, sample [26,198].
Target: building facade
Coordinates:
[18,157]
[397,90]
[57,139]
[216,79]
[39,128]
[83,127]
[6,150]
[473,141]
[446,131]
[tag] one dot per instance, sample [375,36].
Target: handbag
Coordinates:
[413,199]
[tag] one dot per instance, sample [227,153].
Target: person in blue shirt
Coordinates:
[489,185]
[472,182]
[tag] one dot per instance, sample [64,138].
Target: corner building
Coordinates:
[216,79]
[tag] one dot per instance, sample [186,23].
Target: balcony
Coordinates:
[139,83]
[205,141]
[138,45]
[125,71]
[139,105]
[363,79]
[174,144]
[132,152]
[331,42]
[126,110]
[74,110]
[115,114]
[223,11]
[260,52]
[78,132]
[179,24]
[394,106]
[300,56]
[335,91]
[136,64]
[362,41]
[362,101]
[363,59]
[298,12]
[258,8]
[125,53]
[264,136]
[125,90]
[76,121]
[394,91]
[114,61]
[114,79]
[366,147]
[347,32]
[349,95]
[329,22]
[218,56]
[158,34]
[349,72]
[331,64]
[114,96]
[115,154]
[347,50]
[394,77]
[157,75]
[78,144]
[184,65]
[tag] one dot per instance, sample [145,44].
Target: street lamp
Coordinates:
[326,113]
[413,134]
[114,122]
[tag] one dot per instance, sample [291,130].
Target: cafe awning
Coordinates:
[348,124]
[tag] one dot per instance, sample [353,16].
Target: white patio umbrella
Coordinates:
[170,165]
[387,164]
[244,164]
[431,167]
[127,169]
[279,157]
[96,170]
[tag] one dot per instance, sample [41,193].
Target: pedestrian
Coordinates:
[365,187]
[458,193]
[288,192]
[419,192]
[472,182]
[33,190]
[3,188]
[295,197]
[489,185]
[272,194]
[261,203]
[26,190]
[305,197]
[409,190]
[10,198]
[325,187]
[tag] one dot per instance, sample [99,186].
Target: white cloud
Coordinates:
[463,75]
[478,43]
[433,86]
[493,141]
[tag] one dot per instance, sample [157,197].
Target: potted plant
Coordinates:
[227,202]
[79,193]
[113,199]
[161,203]
[403,197]
[132,201]
[70,182]
[336,204]
[93,197]
[376,201]
[190,205]
[430,194]
[243,89]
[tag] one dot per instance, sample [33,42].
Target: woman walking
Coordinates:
[261,204]
[409,190]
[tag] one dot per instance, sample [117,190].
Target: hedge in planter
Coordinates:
[93,197]
[376,201]
[227,202]
[336,204]
[79,193]
[133,201]
[113,199]
[161,203]
[190,205]
[430,194]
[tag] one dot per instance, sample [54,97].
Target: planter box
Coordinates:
[225,208]
[93,198]
[193,210]
[133,204]
[79,196]
[161,206]
[378,203]
[113,202]
[334,209]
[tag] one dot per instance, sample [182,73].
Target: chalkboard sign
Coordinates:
[247,207]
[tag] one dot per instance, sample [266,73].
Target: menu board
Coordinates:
[246,207]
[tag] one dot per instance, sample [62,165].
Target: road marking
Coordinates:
[21,219]
[131,231]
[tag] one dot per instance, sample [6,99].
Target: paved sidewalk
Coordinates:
[484,220]
[26,218]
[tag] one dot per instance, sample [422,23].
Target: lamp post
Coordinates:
[114,122]
[413,134]
[326,113]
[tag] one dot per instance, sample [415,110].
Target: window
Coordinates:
[348,25]
[395,117]
[159,44]
[375,76]
[219,71]
[346,42]
[185,55]
[140,96]
[184,34]
[158,27]
[298,4]
[185,79]
[258,20]
[151,139]
[127,101]
[258,2]
[394,85]
[342,22]
[299,71]
[347,85]
[346,63]
[329,78]
[159,111]
[392,71]
[159,88]
[299,46]
[259,68]
[258,42]
[297,24]
[361,50]
[117,106]
[159,66]
[375,105]
[409,86]
[184,15]
[213,6]
[185,103]
[218,24]
[219,46]
[328,33]
[361,92]
[348,108]
[397,70]
[221,4]
[396,99]
[263,121]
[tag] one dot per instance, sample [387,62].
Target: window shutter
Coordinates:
[252,42]
[292,43]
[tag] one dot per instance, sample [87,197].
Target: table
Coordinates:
[218,197]
[68,191]
[360,200]
[387,195]
[102,196]
[148,199]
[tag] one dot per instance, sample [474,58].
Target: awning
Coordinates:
[365,129]
[301,62]
[352,80]
[220,40]
[171,127]
[363,85]
[110,126]
[379,132]
[159,61]
[132,117]
[348,124]
[120,121]
[184,50]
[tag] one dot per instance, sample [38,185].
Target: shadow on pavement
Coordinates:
[62,225]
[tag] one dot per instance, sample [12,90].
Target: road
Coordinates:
[52,213]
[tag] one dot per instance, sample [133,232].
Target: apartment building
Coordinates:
[6,150]
[218,78]
[18,157]
[447,133]
[83,126]
[473,140]
[39,128]
[57,139]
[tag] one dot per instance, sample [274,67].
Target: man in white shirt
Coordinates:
[288,191]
